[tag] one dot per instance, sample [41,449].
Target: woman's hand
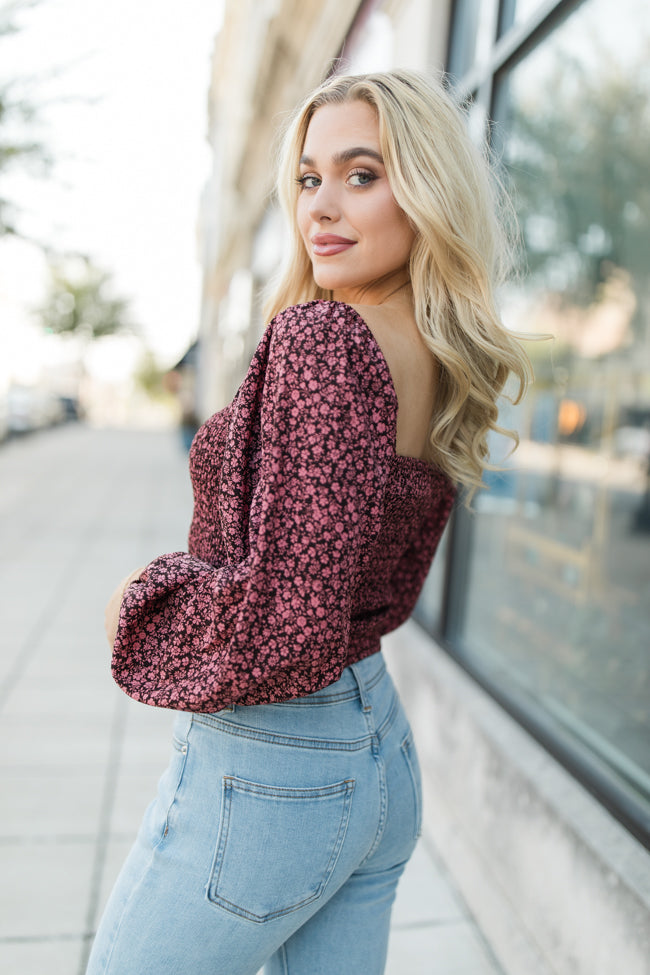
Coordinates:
[112,611]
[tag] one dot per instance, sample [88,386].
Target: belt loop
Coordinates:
[363,696]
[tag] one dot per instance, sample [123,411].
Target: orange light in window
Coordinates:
[571,417]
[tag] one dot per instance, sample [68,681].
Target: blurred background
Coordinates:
[103,158]
[138,231]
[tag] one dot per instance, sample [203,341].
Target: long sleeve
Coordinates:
[273,621]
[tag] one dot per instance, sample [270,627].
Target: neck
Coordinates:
[377,293]
[395,291]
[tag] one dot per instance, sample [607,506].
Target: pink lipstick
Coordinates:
[326,245]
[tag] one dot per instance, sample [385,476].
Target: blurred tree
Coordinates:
[578,151]
[18,119]
[81,302]
[151,377]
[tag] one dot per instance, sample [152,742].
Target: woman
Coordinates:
[292,800]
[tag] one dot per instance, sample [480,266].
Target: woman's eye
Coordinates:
[308,182]
[361,178]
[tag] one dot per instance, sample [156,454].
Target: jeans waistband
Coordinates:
[366,707]
[356,681]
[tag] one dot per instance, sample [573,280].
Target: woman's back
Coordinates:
[412,367]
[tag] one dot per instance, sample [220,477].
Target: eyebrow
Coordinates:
[347,155]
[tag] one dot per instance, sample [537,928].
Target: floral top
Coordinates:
[310,536]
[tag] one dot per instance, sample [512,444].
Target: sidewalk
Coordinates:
[79,509]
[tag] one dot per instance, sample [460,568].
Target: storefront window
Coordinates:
[472,35]
[514,12]
[565,621]
[428,610]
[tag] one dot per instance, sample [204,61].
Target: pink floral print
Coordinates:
[310,536]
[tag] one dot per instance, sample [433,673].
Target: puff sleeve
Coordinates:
[273,622]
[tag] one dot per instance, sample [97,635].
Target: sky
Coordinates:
[122,88]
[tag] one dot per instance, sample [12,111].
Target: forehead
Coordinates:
[335,127]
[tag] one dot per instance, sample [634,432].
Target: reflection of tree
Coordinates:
[578,154]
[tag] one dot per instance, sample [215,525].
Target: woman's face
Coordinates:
[357,238]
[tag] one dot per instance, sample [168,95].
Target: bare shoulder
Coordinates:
[413,369]
[397,335]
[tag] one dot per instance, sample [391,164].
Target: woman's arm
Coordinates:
[274,623]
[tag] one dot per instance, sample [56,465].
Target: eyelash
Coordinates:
[302,180]
[364,172]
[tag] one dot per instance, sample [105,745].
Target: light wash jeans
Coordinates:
[277,838]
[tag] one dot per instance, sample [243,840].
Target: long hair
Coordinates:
[445,187]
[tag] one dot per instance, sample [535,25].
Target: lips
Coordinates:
[326,245]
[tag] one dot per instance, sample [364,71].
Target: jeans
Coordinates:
[277,839]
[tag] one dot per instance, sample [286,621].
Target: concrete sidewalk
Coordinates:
[79,509]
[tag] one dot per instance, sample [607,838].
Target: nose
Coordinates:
[323,204]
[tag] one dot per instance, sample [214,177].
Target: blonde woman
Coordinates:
[292,800]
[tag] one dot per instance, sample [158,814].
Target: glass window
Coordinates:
[564,621]
[472,35]
[428,610]
[515,12]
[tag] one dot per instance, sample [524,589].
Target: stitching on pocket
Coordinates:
[267,846]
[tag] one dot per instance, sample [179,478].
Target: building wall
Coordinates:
[420,29]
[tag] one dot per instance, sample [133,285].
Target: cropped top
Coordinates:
[310,538]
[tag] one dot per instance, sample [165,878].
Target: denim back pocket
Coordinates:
[277,847]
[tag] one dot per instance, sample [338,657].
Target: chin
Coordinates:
[327,282]
[333,282]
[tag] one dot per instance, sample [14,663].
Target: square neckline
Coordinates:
[383,363]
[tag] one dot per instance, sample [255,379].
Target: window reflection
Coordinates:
[474,26]
[517,12]
[566,618]
[428,610]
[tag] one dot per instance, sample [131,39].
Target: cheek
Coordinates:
[406,235]
[302,219]
[388,215]
[398,230]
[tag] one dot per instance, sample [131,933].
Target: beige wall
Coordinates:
[421,29]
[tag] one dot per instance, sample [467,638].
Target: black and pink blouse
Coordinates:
[310,536]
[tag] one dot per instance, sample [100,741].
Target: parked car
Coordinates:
[32,408]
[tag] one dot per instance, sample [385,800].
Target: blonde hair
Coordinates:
[444,186]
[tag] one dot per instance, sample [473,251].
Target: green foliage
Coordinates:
[151,378]
[81,302]
[18,119]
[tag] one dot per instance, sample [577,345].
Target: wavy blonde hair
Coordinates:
[444,185]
